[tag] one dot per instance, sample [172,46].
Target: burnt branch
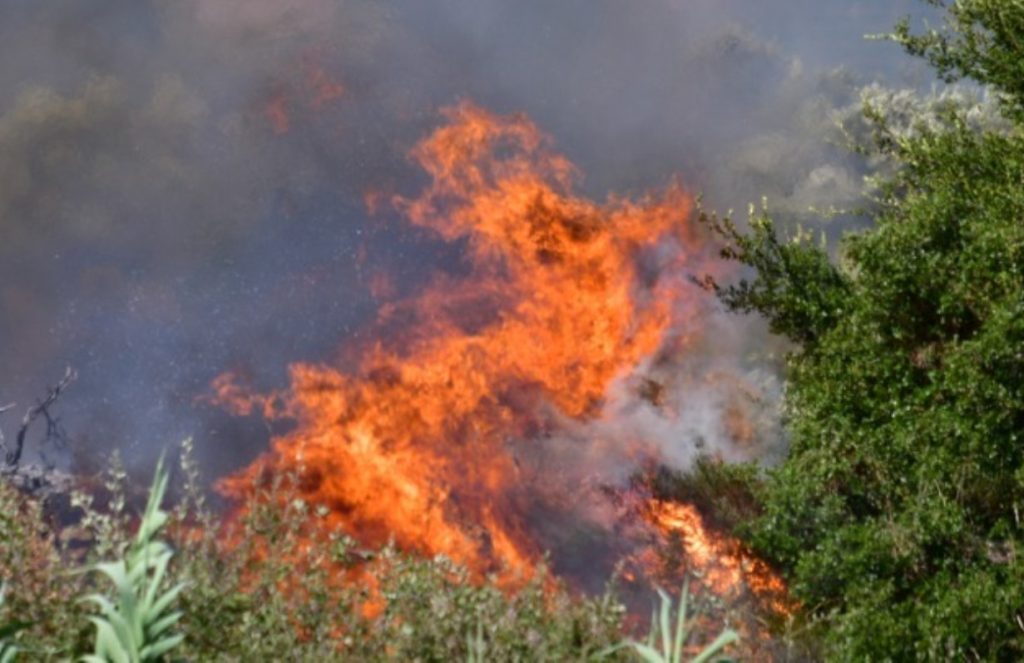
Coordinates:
[54,431]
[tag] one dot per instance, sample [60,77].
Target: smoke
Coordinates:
[183,183]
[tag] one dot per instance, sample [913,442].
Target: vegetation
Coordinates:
[897,515]
[666,644]
[8,628]
[317,597]
[136,627]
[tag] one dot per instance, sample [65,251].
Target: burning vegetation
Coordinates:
[440,440]
[555,408]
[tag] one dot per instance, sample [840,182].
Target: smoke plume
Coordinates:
[193,187]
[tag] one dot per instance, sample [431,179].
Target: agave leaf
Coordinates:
[117,572]
[111,614]
[124,618]
[681,633]
[611,649]
[652,634]
[154,518]
[120,627]
[163,624]
[142,555]
[726,638]
[135,575]
[665,616]
[105,605]
[161,647]
[649,654]
[166,599]
[155,521]
[159,570]
[108,646]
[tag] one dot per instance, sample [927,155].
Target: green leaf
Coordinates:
[161,647]
[108,643]
[727,638]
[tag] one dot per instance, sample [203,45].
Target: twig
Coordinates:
[41,408]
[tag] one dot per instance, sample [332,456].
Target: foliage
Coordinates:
[137,626]
[8,628]
[797,287]
[981,40]
[40,592]
[725,494]
[897,512]
[272,587]
[342,601]
[673,642]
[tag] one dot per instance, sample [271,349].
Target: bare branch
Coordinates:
[42,408]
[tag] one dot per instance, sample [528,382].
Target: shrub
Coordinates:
[897,513]
[135,626]
[269,587]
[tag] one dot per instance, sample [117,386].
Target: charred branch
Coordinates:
[35,478]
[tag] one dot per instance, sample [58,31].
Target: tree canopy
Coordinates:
[898,512]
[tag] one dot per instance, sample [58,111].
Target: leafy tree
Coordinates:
[897,515]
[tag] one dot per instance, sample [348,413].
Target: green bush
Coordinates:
[897,513]
[9,627]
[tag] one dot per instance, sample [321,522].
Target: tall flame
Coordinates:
[564,296]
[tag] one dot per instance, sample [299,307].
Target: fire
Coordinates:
[317,90]
[426,442]
[419,443]
[721,563]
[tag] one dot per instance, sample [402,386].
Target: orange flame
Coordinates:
[722,563]
[419,443]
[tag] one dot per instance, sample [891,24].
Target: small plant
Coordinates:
[137,627]
[8,650]
[673,641]
[476,646]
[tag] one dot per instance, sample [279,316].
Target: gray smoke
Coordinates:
[182,181]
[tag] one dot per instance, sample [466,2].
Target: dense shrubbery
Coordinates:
[265,593]
[897,514]
[244,604]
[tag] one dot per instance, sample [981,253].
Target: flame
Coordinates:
[418,444]
[721,562]
[317,90]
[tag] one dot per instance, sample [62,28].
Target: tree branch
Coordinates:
[42,408]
